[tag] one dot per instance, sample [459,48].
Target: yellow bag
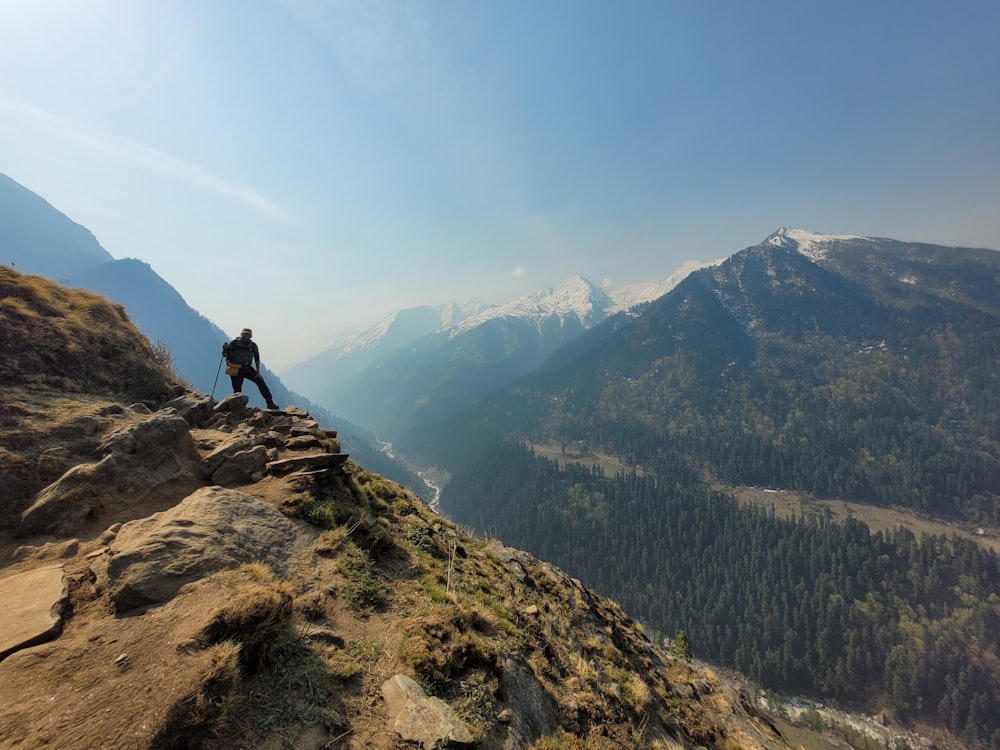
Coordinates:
[233,368]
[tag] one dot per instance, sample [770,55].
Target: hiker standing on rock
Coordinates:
[243,361]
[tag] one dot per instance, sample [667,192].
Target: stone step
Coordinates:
[306,463]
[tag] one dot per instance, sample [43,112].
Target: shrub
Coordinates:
[680,647]
[257,615]
[364,589]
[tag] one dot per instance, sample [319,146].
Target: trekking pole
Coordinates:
[212,397]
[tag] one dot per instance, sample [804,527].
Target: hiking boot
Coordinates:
[272,405]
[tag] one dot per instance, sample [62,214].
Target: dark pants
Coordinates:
[246,371]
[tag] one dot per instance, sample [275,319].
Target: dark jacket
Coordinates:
[242,352]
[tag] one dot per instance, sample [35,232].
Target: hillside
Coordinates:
[849,369]
[183,573]
[64,339]
[37,239]
[161,314]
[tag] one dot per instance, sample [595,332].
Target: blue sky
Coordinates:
[305,167]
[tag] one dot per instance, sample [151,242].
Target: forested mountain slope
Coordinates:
[160,590]
[839,366]
[774,369]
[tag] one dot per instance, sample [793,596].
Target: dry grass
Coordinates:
[257,615]
[42,434]
[74,340]
[196,719]
[636,693]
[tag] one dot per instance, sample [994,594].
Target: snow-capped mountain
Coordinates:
[431,360]
[403,326]
[628,294]
[900,270]
[576,298]
[346,358]
[452,314]
[811,244]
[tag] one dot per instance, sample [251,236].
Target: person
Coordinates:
[243,361]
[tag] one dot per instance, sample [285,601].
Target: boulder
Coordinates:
[417,717]
[512,559]
[533,711]
[210,530]
[242,467]
[303,442]
[154,462]
[276,421]
[305,427]
[196,408]
[147,438]
[234,402]
[51,551]
[64,506]
[239,442]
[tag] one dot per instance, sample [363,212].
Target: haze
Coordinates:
[305,167]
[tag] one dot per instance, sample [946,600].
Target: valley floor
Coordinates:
[584,455]
[789,502]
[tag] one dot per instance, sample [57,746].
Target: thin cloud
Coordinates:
[147,158]
[165,70]
[519,272]
[384,44]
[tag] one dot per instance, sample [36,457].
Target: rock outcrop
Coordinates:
[154,461]
[210,530]
[418,717]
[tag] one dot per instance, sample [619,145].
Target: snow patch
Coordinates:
[578,297]
[811,244]
[449,315]
[629,294]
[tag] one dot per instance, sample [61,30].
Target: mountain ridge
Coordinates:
[38,239]
[220,575]
[394,384]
